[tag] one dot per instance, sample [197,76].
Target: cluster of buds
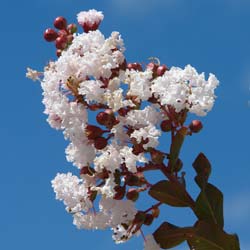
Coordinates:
[63,37]
[132,106]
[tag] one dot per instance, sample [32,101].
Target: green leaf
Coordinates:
[210,237]
[176,146]
[168,235]
[202,167]
[209,205]
[171,193]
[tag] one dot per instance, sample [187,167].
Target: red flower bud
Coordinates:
[62,33]
[161,70]
[61,42]
[92,132]
[87,170]
[106,118]
[195,126]
[148,220]
[100,143]
[50,35]
[134,66]
[120,192]
[90,26]
[166,125]
[132,194]
[60,23]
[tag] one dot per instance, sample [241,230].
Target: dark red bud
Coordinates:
[120,192]
[134,66]
[148,220]
[139,217]
[61,42]
[62,33]
[50,35]
[90,26]
[166,125]
[106,118]
[195,126]
[60,23]
[100,143]
[123,111]
[161,70]
[87,170]
[92,132]
[132,194]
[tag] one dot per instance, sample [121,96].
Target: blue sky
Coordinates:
[213,36]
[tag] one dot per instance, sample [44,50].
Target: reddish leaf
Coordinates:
[209,236]
[168,235]
[203,169]
[209,205]
[171,193]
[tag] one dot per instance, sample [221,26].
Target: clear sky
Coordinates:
[211,35]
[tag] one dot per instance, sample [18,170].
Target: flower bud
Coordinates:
[60,23]
[166,125]
[139,217]
[61,42]
[161,70]
[195,126]
[134,66]
[50,35]
[87,170]
[92,132]
[132,194]
[148,220]
[106,118]
[120,192]
[62,33]
[90,26]
[100,143]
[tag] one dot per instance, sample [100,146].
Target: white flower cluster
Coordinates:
[90,75]
[186,89]
[91,16]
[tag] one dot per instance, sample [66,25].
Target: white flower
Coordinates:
[150,132]
[143,118]
[185,88]
[130,159]
[150,243]
[72,191]
[91,220]
[92,90]
[91,16]
[139,83]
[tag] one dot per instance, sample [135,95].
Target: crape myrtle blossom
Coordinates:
[132,105]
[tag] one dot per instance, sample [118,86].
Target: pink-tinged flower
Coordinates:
[90,20]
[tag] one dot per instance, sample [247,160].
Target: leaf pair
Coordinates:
[202,236]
